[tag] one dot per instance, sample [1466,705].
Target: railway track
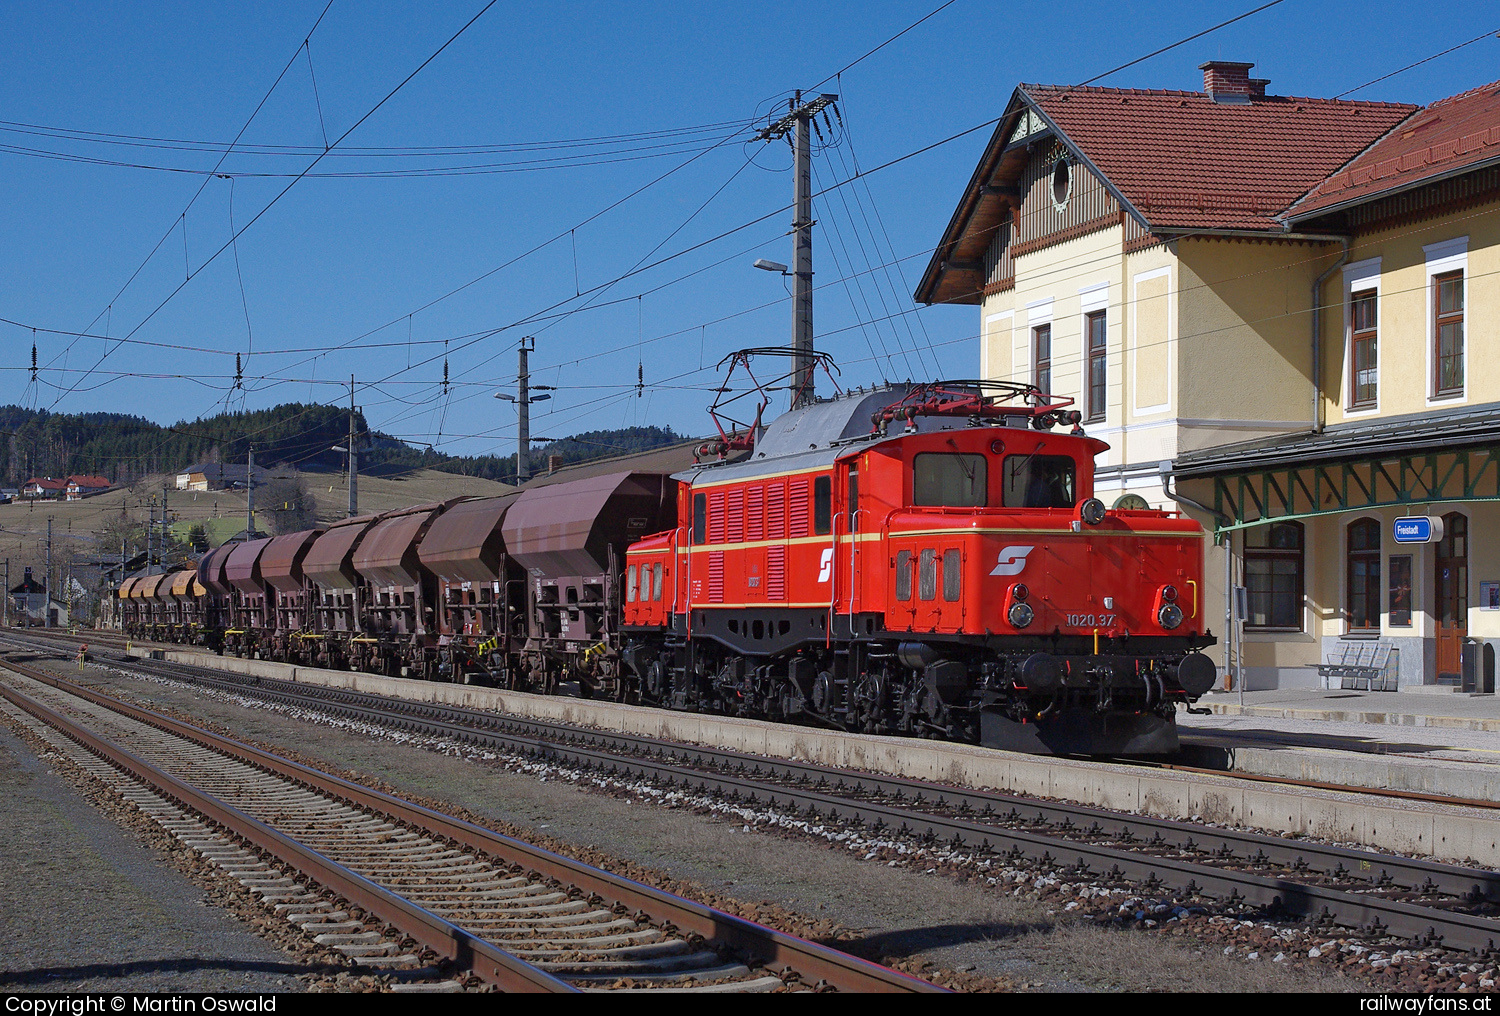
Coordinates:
[392,885]
[1429,903]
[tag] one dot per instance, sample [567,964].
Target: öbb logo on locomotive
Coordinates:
[1012,561]
[835,566]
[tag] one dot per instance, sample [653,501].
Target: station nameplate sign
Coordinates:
[1418,529]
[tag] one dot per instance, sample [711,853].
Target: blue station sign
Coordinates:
[1418,529]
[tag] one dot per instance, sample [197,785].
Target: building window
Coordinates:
[1364,576]
[1095,330]
[1364,374]
[1400,589]
[1042,345]
[1448,333]
[1062,183]
[1274,563]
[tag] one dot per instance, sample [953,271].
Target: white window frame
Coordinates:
[1091,299]
[1361,277]
[1135,338]
[1442,258]
[1038,312]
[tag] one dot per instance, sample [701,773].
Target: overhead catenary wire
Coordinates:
[198,193]
[282,193]
[865,173]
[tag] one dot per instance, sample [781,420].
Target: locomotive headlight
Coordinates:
[1169,593]
[1169,616]
[1092,511]
[1020,614]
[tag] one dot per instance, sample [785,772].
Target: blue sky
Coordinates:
[338,257]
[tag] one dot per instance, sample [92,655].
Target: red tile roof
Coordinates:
[46,483]
[1451,134]
[88,481]
[1185,161]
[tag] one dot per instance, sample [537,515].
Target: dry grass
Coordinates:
[23,525]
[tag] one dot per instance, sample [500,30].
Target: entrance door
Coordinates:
[1452,587]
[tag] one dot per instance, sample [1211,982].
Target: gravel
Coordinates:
[83,907]
[926,914]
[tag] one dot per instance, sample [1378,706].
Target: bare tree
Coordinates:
[291,506]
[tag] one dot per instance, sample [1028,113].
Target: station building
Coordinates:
[1280,312]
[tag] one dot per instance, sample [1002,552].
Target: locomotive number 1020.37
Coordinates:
[1091,620]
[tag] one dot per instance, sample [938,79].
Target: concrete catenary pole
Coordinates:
[802,268]
[353,457]
[47,582]
[798,122]
[250,494]
[523,407]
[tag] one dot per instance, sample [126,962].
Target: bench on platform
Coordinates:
[1362,666]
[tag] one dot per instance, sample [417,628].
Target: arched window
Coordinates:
[1274,557]
[1363,611]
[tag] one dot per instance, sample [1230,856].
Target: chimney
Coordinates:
[1258,87]
[1225,81]
[554,463]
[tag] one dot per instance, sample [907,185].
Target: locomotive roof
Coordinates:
[816,435]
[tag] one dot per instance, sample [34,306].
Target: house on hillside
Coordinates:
[44,488]
[218,476]
[80,487]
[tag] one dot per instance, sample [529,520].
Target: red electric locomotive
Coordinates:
[923,559]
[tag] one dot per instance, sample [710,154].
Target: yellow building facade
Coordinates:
[1295,346]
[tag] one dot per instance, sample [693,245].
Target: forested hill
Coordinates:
[122,448]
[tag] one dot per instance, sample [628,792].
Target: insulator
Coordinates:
[816,130]
[445,375]
[33,361]
[640,379]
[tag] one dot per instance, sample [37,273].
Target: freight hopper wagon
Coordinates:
[481,592]
[925,560]
[571,539]
[288,600]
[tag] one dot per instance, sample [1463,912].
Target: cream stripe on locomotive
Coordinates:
[756,544]
[1058,533]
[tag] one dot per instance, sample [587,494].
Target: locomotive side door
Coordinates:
[950,586]
[901,596]
[847,531]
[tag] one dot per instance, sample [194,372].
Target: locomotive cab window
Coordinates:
[630,584]
[949,480]
[655,582]
[1039,481]
[822,505]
